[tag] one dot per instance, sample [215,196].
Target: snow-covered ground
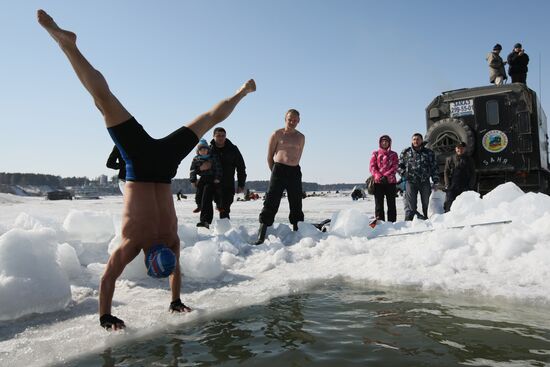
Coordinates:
[52,254]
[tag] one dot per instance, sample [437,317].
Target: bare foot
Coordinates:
[61,36]
[248,87]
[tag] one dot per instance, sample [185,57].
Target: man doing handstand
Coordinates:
[149,221]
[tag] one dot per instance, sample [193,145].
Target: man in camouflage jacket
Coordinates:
[417,164]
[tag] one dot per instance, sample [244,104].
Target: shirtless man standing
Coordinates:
[283,158]
[149,221]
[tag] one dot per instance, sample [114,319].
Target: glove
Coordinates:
[384,180]
[178,306]
[109,322]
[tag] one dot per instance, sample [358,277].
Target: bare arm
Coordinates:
[302,145]
[116,264]
[221,111]
[271,150]
[175,281]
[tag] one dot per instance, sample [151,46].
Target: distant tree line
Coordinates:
[38,179]
[306,186]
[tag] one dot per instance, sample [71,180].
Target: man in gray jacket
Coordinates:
[497,74]
[417,164]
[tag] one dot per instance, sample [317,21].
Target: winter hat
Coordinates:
[497,47]
[203,144]
[384,137]
[517,45]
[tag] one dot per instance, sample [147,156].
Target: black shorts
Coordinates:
[148,159]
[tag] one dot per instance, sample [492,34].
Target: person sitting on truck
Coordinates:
[460,175]
[497,74]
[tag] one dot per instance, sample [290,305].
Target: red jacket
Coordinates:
[384,162]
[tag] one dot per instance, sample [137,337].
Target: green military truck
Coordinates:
[505,131]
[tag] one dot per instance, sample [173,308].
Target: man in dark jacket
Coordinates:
[231,159]
[115,161]
[417,164]
[497,74]
[460,175]
[517,64]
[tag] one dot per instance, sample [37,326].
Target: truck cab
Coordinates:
[504,128]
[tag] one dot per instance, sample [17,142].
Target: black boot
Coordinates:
[295,227]
[203,224]
[261,234]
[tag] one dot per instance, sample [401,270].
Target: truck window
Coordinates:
[524,125]
[492,112]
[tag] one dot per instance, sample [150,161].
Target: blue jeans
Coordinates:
[411,194]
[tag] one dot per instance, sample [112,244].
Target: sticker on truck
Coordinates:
[462,108]
[494,141]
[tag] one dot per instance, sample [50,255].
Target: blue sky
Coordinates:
[354,69]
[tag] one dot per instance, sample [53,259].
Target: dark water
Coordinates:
[342,325]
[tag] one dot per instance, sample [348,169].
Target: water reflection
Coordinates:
[227,340]
[285,322]
[342,326]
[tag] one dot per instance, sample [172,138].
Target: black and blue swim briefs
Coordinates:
[148,159]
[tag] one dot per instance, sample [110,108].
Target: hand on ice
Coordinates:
[178,306]
[109,322]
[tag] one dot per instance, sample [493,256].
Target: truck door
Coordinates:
[495,143]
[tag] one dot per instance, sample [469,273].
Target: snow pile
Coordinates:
[202,261]
[89,232]
[31,279]
[9,199]
[89,226]
[44,264]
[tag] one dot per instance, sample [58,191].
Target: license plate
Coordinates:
[462,108]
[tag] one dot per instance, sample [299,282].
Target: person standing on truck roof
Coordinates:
[497,74]
[517,64]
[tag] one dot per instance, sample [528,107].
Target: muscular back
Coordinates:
[149,216]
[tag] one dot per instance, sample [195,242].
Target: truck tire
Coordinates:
[443,136]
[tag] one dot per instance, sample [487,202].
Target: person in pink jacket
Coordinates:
[383,166]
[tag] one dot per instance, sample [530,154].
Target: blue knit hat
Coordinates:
[160,261]
[203,144]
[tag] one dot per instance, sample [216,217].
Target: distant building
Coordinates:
[103,180]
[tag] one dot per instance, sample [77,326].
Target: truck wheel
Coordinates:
[443,136]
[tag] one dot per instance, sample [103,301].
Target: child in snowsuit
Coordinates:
[208,183]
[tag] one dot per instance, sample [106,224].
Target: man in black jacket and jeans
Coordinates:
[231,159]
[517,64]
[460,175]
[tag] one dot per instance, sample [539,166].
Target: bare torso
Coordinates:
[149,216]
[287,147]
